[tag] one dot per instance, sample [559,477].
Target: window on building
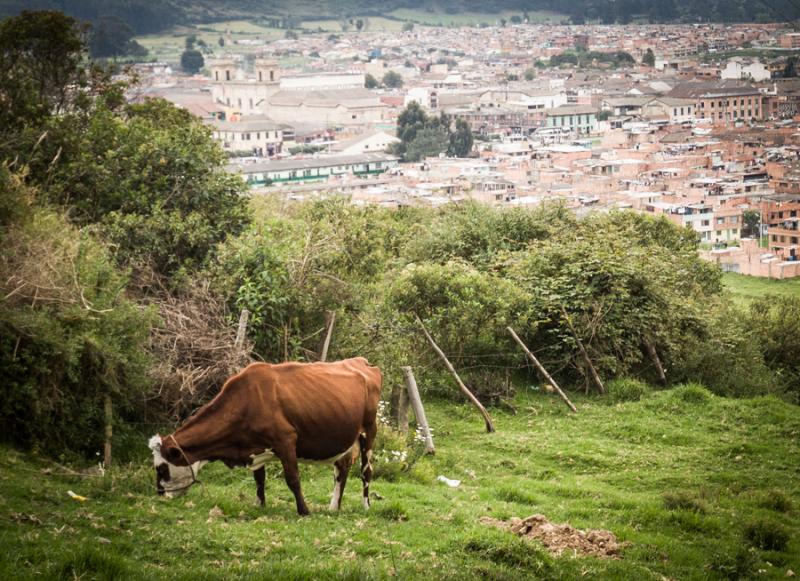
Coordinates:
[705,222]
[227,75]
[720,220]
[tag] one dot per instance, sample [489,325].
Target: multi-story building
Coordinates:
[721,102]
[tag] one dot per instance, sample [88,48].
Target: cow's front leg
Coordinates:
[260,476]
[291,473]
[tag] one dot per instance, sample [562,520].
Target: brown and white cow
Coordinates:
[290,412]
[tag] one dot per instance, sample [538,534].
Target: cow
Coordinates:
[312,412]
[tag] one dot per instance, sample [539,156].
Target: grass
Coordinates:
[745,289]
[640,469]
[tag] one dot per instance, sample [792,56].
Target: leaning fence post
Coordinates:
[242,330]
[399,407]
[592,370]
[419,411]
[330,319]
[541,369]
[462,387]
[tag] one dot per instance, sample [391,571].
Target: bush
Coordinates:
[68,338]
[626,389]
[736,566]
[682,500]
[692,393]
[776,500]
[767,534]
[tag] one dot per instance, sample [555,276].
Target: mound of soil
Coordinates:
[560,538]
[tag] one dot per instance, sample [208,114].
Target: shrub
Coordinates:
[776,500]
[626,389]
[736,566]
[767,534]
[692,393]
[68,337]
[682,500]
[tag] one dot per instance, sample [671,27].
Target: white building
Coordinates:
[738,69]
[374,142]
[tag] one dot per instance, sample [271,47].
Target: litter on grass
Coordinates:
[448,481]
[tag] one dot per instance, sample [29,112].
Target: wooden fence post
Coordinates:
[419,411]
[241,332]
[398,407]
[651,351]
[330,319]
[109,432]
[592,370]
[541,369]
[462,387]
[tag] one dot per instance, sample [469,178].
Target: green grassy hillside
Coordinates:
[680,475]
[744,289]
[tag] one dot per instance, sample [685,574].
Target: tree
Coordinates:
[392,80]
[649,59]
[111,37]
[461,140]
[529,74]
[791,68]
[408,26]
[429,142]
[516,19]
[190,41]
[192,61]
[751,221]
[221,41]
[41,66]
[149,177]
[359,24]
[291,35]
[370,82]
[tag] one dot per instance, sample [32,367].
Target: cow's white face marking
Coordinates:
[180,477]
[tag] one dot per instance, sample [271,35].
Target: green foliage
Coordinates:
[775,322]
[408,26]
[150,176]
[429,142]
[649,58]
[111,37]
[682,500]
[41,57]
[460,140]
[766,534]
[626,389]
[776,500]
[592,59]
[192,61]
[370,82]
[739,564]
[68,337]
[392,80]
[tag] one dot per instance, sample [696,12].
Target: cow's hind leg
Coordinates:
[260,476]
[340,470]
[366,440]
[291,473]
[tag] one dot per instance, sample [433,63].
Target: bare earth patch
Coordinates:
[560,538]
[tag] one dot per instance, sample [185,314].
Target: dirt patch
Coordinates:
[561,538]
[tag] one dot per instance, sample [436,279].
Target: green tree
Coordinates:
[149,176]
[190,41]
[460,140]
[291,35]
[775,321]
[370,82]
[408,26]
[111,37]
[359,24]
[392,80]
[649,59]
[751,221]
[221,41]
[41,67]
[192,61]
[428,142]
[529,74]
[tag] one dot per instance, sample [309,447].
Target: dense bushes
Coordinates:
[68,337]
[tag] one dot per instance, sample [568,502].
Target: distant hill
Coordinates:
[145,16]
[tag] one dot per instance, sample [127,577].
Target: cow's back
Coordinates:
[326,405]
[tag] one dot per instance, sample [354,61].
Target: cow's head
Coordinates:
[174,476]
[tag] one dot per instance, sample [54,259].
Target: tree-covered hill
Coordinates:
[145,16]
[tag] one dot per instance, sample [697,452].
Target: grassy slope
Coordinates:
[607,467]
[744,289]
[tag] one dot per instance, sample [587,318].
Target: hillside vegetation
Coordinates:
[145,17]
